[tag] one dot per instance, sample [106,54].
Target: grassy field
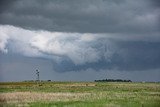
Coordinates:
[79,94]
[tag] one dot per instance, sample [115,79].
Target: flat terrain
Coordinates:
[79,94]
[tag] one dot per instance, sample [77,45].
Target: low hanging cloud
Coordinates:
[78,51]
[79,48]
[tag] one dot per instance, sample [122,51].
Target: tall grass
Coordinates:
[80,94]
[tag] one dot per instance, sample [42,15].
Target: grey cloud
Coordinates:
[156,3]
[83,16]
[129,56]
[4,4]
[76,51]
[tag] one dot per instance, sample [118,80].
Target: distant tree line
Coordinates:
[113,80]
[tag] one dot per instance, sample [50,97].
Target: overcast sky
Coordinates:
[80,40]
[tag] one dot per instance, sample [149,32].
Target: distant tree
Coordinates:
[112,80]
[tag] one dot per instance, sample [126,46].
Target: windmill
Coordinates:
[37,73]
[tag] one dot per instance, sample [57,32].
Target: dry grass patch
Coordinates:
[20,97]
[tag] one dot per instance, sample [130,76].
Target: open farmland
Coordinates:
[79,94]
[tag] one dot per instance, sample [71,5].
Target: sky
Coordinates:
[80,40]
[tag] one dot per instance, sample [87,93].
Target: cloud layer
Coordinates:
[79,48]
[85,16]
[76,51]
[84,36]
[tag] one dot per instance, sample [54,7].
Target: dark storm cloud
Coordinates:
[4,4]
[80,35]
[77,51]
[156,3]
[83,16]
[129,56]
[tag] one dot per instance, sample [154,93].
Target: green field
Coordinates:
[79,94]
